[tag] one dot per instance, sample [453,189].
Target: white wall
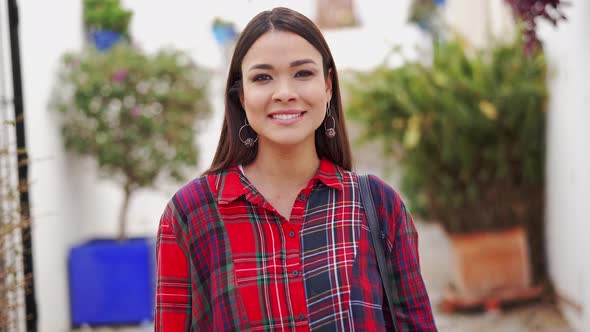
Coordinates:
[47,29]
[480,21]
[568,161]
[69,204]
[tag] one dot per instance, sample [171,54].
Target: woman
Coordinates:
[274,236]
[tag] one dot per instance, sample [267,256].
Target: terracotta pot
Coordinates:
[490,263]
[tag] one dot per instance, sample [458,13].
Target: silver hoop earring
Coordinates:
[248,142]
[330,132]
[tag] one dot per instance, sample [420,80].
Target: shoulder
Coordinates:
[384,195]
[193,191]
[393,215]
[190,197]
[388,202]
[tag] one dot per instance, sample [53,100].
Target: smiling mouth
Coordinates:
[286,116]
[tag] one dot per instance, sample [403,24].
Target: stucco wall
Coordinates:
[69,203]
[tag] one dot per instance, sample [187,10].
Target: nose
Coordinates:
[285,91]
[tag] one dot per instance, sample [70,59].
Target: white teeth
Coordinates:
[286,116]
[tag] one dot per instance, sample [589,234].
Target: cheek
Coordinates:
[254,99]
[314,94]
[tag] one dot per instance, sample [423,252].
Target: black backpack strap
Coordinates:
[384,268]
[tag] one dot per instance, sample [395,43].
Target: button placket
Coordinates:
[294,275]
[295,272]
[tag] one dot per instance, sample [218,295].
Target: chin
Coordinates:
[291,140]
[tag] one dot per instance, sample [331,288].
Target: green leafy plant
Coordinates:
[134,113]
[468,131]
[106,15]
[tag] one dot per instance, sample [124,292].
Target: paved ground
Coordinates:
[435,257]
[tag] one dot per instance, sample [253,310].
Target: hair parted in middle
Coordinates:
[230,149]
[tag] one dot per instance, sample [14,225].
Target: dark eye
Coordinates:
[303,73]
[261,77]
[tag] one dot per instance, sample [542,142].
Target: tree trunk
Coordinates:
[122,234]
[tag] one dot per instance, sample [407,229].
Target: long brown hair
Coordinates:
[230,150]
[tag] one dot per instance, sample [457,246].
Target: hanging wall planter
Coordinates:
[106,22]
[224,31]
[104,40]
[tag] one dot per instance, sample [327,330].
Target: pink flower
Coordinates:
[119,75]
[135,112]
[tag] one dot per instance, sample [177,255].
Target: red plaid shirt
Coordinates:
[227,261]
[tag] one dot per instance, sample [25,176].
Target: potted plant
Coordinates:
[425,14]
[106,21]
[136,115]
[468,130]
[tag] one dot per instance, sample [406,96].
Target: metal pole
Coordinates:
[30,301]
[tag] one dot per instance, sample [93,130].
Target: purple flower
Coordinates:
[119,75]
[529,10]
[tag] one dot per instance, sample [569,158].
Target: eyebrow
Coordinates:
[292,64]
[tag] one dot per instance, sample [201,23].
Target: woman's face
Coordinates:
[284,90]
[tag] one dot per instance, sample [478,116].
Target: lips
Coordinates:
[286,116]
[286,113]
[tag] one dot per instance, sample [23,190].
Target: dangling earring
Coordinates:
[248,142]
[330,132]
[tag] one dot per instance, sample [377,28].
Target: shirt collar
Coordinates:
[330,174]
[231,183]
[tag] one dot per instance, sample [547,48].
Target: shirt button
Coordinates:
[301,317]
[295,273]
[291,234]
[301,197]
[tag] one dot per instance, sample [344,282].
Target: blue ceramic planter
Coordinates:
[224,33]
[104,40]
[112,282]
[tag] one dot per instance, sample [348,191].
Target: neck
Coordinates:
[292,166]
